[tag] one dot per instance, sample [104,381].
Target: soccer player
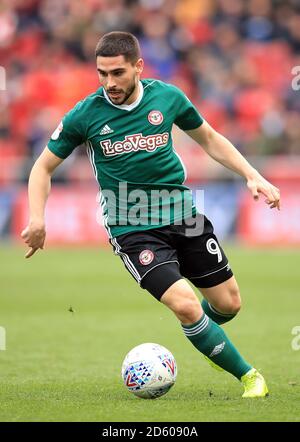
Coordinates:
[149,213]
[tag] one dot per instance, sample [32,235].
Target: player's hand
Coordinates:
[34,236]
[258,185]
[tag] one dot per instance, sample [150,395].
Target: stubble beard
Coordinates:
[127,94]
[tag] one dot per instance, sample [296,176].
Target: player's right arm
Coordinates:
[68,134]
[39,186]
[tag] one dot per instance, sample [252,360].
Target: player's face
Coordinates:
[119,78]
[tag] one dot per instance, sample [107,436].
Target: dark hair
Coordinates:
[119,43]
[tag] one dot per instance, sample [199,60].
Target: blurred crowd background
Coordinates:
[233,58]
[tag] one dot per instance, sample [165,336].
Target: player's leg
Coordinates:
[206,335]
[222,302]
[204,263]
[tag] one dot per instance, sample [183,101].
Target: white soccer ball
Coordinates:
[149,370]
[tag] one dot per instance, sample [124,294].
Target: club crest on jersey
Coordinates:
[133,143]
[57,131]
[155,117]
[146,257]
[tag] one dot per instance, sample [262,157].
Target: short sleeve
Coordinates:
[187,117]
[67,136]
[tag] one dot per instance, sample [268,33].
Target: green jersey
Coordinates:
[130,147]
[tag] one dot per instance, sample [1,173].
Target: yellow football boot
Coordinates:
[254,384]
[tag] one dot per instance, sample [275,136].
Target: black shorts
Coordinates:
[157,258]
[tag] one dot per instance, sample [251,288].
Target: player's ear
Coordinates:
[139,66]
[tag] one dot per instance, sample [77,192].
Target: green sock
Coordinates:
[209,338]
[219,318]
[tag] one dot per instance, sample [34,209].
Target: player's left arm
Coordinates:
[223,151]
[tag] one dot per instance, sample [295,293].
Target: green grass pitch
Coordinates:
[64,366]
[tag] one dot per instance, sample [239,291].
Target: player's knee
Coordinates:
[234,301]
[188,310]
[182,300]
[230,303]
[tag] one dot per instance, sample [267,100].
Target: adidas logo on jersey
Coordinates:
[106,130]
